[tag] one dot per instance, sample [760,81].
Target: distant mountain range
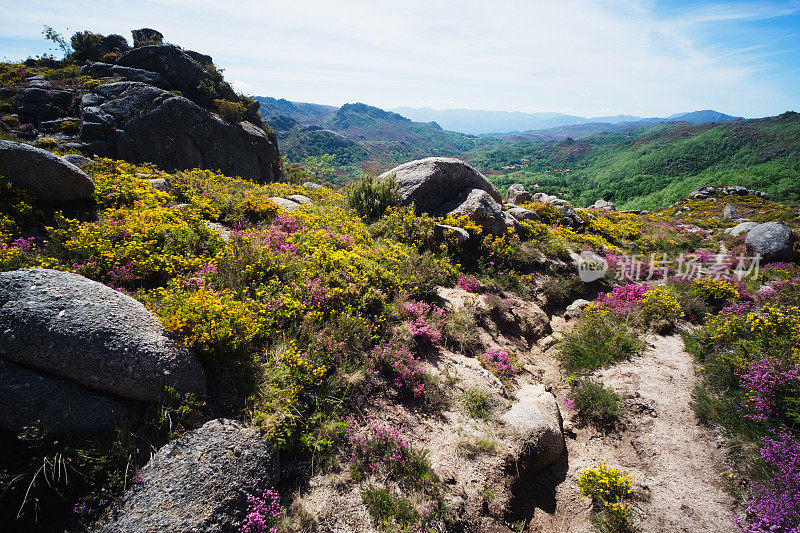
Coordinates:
[359,136]
[363,137]
[501,123]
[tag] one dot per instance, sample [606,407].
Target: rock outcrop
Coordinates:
[198,482]
[180,71]
[45,175]
[742,227]
[138,122]
[81,331]
[444,185]
[774,241]
[705,192]
[28,398]
[730,212]
[34,104]
[520,213]
[517,195]
[537,420]
[480,207]
[104,70]
[146,36]
[435,181]
[604,205]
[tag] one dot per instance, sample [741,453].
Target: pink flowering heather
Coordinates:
[469,283]
[425,321]
[277,240]
[738,309]
[343,239]
[93,502]
[377,449]
[623,299]
[315,294]
[287,223]
[207,269]
[569,403]
[766,378]
[766,293]
[776,503]
[23,244]
[264,513]
[775,266]
[498,362]
[122,273]
[404,369]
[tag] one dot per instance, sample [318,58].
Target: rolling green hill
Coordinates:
[654,166]
[361,137]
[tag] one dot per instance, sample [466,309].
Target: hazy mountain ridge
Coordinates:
[502,123]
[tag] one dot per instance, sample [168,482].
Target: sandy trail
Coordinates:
[678,463]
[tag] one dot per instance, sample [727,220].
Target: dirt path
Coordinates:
[678,464]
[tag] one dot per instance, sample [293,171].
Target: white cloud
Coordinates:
[573,56]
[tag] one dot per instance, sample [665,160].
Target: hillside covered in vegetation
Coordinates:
[654,166]
[247,350]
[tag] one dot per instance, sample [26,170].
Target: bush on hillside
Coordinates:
[599,339]
[371,196]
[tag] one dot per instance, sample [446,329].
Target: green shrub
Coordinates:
[232,112]
[461,329]
[471,449]
[82,41]
[559,289]
[478,403]
[47,144]
[389,511]
[597,404]
[600,339]
[426,272]
[611,492]
[660,308]
[9,121]
[370,197]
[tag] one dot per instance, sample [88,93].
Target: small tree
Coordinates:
[83,41]
[320,166]
[52,35]
[371,196]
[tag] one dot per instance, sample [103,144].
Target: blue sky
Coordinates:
[585,57]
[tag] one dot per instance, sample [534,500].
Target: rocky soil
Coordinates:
[678,464]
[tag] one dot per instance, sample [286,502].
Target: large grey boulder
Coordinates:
[146,36]
[197,483]
[604,205]
[742,227]
[82,331]
[517,194]
[106,45]
[435,181]
[179,70]
[140,123]
[730,212]
[45,175]
[520,213]
[537,421]
[442,231]
[28,398]
[301,199]
[480,207]
[773,240]
[102,70]
[77,159]
[283,203]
